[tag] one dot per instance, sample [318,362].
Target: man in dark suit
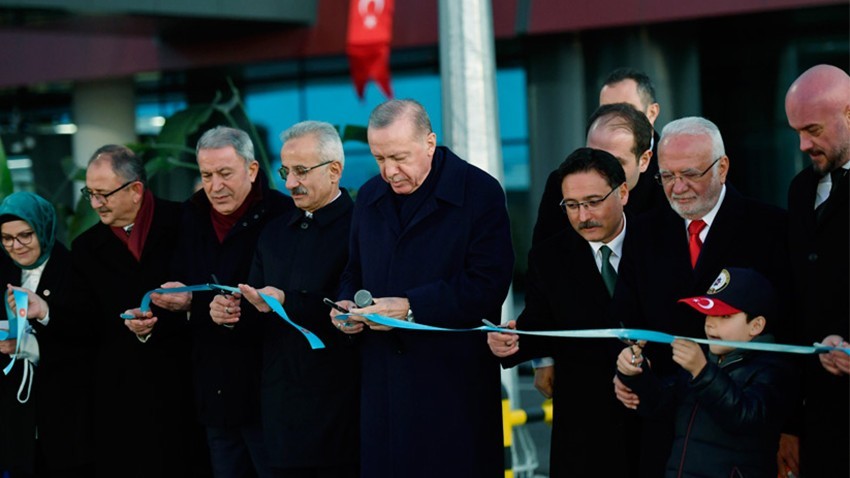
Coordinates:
[431,240]
[587,417]
[818,108]
[309,397]
[679,251]
[219,231]
[626,133]
[143,411]
[623,85]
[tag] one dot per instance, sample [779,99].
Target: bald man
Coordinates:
[818,108]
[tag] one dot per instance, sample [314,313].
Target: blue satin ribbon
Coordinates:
[315,342]
[622,334]
[17,324]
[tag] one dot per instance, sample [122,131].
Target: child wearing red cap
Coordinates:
[731,404]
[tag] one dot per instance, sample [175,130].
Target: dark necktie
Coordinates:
[609,275]
[694,242]
[835,176]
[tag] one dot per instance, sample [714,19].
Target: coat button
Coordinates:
[46,292]
[813,257]
[218,392]
[305,225]
[256,216]
[245,224]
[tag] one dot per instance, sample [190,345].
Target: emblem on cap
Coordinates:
[703,303]
[720,283]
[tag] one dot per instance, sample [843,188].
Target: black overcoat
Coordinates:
[430,402]
[565,291]
[821,274]
[309,397]
[144,420]
[225,361]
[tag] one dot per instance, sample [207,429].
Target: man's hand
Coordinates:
[173,302]
[835,362]
[143,324]
[544,380]
[351,325]
[225,309]
[629,362]
[7,347]
[689,355]
[392,307]
[253,296]
[37,308]
[625,395]
[503,344]
[788,456]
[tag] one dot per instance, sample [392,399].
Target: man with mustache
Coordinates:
[309,397]
[218,236]
[679,251]
[587,417]
[818,108]
[626,133]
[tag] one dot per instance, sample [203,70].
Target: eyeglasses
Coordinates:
[590,205]
[299,171]
[24,238]
[88,194]
[688,175]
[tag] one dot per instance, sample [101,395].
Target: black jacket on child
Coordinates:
[728,418]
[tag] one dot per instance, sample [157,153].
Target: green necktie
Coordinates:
[609,275]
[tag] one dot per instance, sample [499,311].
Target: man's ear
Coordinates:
[643,161]
[652,113]
[253,169]
[137,189]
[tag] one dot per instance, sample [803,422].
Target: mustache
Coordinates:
[588,224]
[299,190]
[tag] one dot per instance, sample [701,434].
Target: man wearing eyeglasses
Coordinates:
[679,251]
[309,397]
[143,405]
[218,237]
[570,285]
[626,133]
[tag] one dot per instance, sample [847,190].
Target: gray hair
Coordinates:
[696,126]
[125,164]
[223,136]
[389,111]
[330,146]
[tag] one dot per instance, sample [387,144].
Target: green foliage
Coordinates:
[6,186]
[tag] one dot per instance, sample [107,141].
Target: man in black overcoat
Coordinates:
[571,278]
[220,226]
[818,108]
[309,398]
[143,412]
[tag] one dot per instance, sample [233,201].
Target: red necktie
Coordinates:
[694,242]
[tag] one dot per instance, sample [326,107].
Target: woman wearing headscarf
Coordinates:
[45,398]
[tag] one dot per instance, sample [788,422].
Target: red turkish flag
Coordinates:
[370,30]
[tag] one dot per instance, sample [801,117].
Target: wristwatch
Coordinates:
[409,317]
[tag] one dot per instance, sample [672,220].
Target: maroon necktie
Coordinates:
[694,242]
